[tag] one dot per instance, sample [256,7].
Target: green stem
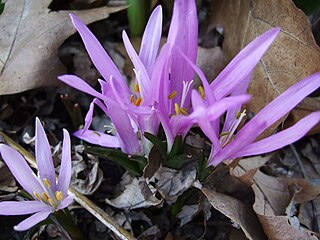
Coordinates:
[64,220]
[138,13]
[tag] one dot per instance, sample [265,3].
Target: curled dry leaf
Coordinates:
[273,196]
[293,56]
[171,183]
[86,176]
[30,38]
[136,194]
[238,212]
[247,168]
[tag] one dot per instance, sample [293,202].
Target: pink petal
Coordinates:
[20,169]
[243,64]
[23,207]
[282,138]
[65,168]
[98,138]
[32,220]
[183,34]
[44,156]
[284,103]
[151,39]
[144,81]
[98,55]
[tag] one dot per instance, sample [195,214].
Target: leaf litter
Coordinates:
[269,206]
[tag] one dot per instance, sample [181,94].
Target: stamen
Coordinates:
[45,196]
[234,127]
[131,98]
[184,111]
[138,102]
[51,202]
[136,88]
[46,182]
[94,132]
[177,108]
[59,195]
[185,90]
[36,195]
[172,95]
[201,91]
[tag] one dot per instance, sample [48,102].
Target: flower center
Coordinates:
[136,97]
[226,137]
[47,196]
[180,108]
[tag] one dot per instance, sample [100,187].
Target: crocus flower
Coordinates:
[173,80]
[49,195]
[133,113]
[234,81]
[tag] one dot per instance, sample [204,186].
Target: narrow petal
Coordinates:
[231,113]
[81,85]
[128,139]
[183,34]
[282,138]
[98,138]
[32,220]
[151,39]
[241,140]
[20,169]
[44,156]
[23,207]
[65,168]
[98,55]
[66,202]
[284,103]
[143,79]
[242,64]
[88,118]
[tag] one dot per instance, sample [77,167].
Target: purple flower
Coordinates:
[133,113]
[233,81]
[49,195]
[173,80]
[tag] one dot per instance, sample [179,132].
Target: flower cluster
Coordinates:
[49,194]
[163,93]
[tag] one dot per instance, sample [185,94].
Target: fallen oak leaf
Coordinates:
[273,196]
[293,56]
[30,38]
[237,211]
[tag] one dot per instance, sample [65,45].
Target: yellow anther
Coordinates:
[59,195]
[184,111]
[94,132]
[51,202]
[201,91]
[238,114]
[223,134]
[46,182]
[136,88]
[36,195]
[138,102]
[45,196]
[131,98]
[172,95]
[177,108]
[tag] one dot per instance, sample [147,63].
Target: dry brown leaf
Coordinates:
[293,56]
[247,168]
[30,38]
[273,196]
[7,182]
[237,211]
